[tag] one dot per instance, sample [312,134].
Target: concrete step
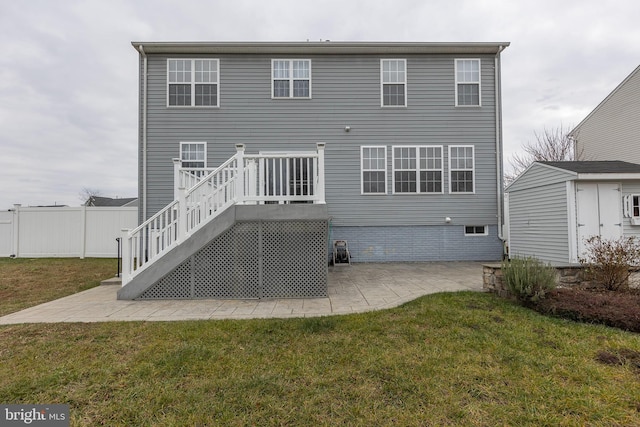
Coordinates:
[112,281]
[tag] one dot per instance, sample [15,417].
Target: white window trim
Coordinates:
[291,79]
[193,83]
[362,170]
[441,170]
[473,169]
[486,231]
[203,143]
[632,205]
[479,83]
[406,73]
[418,170]
[628,208]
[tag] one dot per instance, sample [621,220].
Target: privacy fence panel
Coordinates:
[64,231]
[6,234]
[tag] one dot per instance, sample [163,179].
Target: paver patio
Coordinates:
[352,289]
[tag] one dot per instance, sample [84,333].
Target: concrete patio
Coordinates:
[352,289]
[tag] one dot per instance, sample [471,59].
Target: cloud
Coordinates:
[69,88]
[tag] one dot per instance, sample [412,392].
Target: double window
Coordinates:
[193,82]
[476,230]
[467,82]
[291,78]
[417,169]
[393,82]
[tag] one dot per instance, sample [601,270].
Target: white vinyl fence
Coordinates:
[64,231]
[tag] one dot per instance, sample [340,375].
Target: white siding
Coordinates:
[611,131]
[632,187]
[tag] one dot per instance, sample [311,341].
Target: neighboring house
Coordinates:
[109,202]
[555,206]
[612,130]
[409,165]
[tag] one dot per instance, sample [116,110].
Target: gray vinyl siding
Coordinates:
[539,175]
[345,92]
[538,220]
[612,130]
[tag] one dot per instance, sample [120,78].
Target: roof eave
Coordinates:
[613,176]
[318,48]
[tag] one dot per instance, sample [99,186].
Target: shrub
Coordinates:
[608,262]
[528,279]
[615,309]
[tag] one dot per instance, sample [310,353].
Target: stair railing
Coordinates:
[243,179]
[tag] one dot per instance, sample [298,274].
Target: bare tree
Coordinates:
[86,194]
[552,145]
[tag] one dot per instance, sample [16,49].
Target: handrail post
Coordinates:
[320,173]
[16,230]
[182,215]
[251,180]
[119,255]
[126,256]
[240,173]
[177,164]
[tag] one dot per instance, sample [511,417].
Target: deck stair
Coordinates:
[231,231]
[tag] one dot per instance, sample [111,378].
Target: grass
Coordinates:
[467,359]
[26,282]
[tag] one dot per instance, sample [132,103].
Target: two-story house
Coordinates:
[611,131]
[395,148]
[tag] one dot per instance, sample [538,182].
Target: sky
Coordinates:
[69,77]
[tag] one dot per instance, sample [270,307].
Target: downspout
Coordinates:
[499,166]
[144,134]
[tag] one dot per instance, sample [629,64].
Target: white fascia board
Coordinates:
[323,47]
[607,176]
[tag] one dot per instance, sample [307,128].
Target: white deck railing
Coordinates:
[203,194]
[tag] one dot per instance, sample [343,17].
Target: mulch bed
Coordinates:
[616,309]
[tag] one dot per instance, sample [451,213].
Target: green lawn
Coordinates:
[460,359]
[25,282]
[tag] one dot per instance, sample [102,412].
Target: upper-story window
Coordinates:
[193,82]
[417,169]
[461,169]
[468,82]
[291,78]
[393,82]
[193,154]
